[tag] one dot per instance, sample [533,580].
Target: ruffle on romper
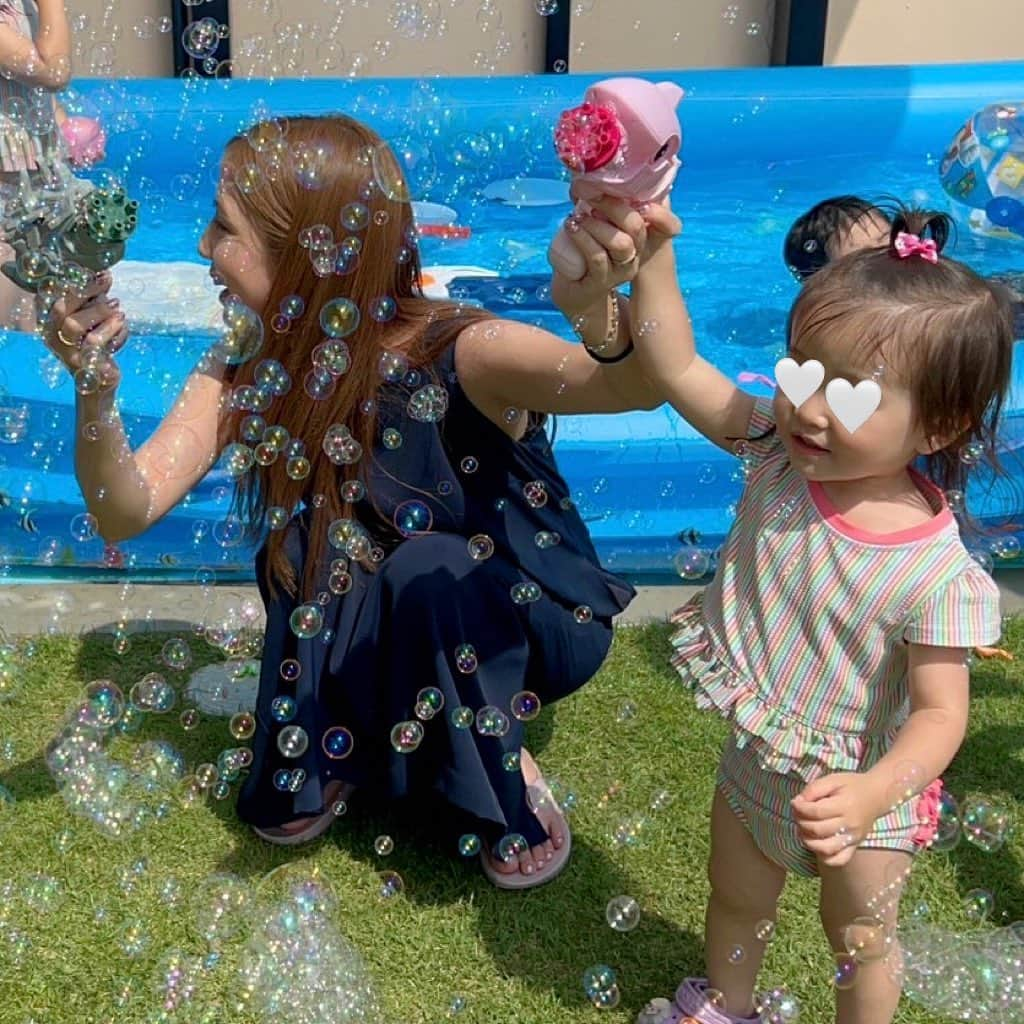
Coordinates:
[20,150]
[783,743]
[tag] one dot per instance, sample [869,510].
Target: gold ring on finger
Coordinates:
[66,341]
[623,263]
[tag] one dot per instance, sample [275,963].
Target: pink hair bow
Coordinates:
[911,245]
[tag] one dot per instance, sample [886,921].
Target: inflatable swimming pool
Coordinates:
[760,147]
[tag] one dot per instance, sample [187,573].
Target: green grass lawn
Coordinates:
[513,957]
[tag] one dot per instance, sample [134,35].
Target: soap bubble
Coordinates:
[844,975]
[391,884]
[242,335]
[692,563]
[306,621]
[865,939]
[622,913]
[84,527]
[510,846]
[978,905]
[525,592]
[764,930]
[153,693]
[133,937]
[337,743]
[242,725]
[480,547]
[221,904]
[339,317]
[462,717]
[406,736]
[104,704]
[947,833]
[383,845]
[466,659]
[469,845]
[412,518]
[292,741]
[972,453]
[985,823]
[492,721]
[525,706]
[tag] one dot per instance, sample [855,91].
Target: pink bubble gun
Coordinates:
[623,141]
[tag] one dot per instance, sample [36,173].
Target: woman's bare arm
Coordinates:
[129,491]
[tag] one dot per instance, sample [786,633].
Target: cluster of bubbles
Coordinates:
[298,968]
[119,798]
[972,976]
[984,823]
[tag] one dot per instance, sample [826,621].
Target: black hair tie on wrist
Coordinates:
[610,359]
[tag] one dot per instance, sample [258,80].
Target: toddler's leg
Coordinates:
[868,886]
[745,887]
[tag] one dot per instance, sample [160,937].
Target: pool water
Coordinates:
[760,148]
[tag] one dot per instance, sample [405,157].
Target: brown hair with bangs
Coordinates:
[945,331]
[291,175]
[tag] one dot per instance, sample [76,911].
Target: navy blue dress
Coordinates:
[398,628]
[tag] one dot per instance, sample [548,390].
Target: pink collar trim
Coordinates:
[942,518]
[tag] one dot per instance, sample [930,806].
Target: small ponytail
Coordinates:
[922,223]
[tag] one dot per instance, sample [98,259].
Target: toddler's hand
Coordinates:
[834,814]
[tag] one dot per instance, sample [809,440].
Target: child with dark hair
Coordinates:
[843,224]
[833,228]
[835,634]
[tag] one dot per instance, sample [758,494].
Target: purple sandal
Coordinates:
[691,1003]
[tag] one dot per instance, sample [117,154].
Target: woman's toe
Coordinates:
[526,863]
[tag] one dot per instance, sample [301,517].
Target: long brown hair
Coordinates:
[946,331]
[287,177]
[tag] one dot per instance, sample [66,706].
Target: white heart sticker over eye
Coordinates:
[852,405]
[798,382]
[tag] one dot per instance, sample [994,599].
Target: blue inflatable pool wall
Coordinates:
[760,146]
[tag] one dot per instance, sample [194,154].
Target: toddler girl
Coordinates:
[835,632]
[35,63]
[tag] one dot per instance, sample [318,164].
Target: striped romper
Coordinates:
[800,641]
[28,131]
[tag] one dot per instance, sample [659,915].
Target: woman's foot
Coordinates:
[333,792]
[534,860]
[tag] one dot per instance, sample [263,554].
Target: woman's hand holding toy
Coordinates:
[83,330]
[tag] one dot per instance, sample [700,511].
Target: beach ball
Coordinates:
[983,170]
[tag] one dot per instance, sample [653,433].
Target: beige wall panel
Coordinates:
[923,31]
[331,38]
[618,35]
[120,40]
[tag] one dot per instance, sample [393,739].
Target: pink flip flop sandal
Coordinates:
[517,880]
[551,869]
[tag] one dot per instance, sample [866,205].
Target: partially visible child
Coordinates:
[834,636]
[35,63]
[843,224]
[833,228]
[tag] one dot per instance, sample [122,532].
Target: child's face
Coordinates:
[820,446]
[237,255]
[866,232]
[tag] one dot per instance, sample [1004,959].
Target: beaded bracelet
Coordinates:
[611,336]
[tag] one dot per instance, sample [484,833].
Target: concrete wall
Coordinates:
[110,42]
[332,38]
[923,31]
[610,35]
